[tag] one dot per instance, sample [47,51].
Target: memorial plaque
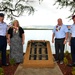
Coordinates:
[38,54]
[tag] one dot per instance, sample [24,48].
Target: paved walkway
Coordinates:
[38,71]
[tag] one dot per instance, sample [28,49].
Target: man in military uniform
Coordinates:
[72,42]
[3,39]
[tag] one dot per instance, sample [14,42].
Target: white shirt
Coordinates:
[73,30]
[3,29]
[60,31]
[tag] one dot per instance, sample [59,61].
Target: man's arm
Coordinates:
[23,38]
[66,37]
[70,38]
[53,37]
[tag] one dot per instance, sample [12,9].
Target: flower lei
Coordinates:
[58,28]
[15,29]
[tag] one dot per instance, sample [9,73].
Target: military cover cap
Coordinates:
[1,15]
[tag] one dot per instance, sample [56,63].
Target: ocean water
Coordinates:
[40,35]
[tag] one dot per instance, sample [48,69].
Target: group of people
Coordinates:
[60,36]
[14,36]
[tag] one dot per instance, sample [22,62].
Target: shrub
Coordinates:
[73,70]
[70,56]
[12,61]
[7,52]
[65,61]
[1,71]
[66,53]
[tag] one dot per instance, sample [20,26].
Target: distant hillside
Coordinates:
[38,27]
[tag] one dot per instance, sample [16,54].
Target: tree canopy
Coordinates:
[66,3]
[15,8]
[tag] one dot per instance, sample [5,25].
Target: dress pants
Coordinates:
[3,45]
[59,49]
[73,49]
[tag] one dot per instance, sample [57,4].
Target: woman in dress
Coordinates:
[16,41]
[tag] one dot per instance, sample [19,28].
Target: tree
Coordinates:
[15,8]
[67,3]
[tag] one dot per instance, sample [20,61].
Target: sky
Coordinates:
[45,14]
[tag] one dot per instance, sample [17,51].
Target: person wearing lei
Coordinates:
[16,39]
[59,36]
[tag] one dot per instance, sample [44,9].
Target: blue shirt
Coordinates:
[3,29]
[60,31]
[73,30]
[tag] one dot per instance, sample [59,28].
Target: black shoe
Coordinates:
[6,64]
[71,65]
